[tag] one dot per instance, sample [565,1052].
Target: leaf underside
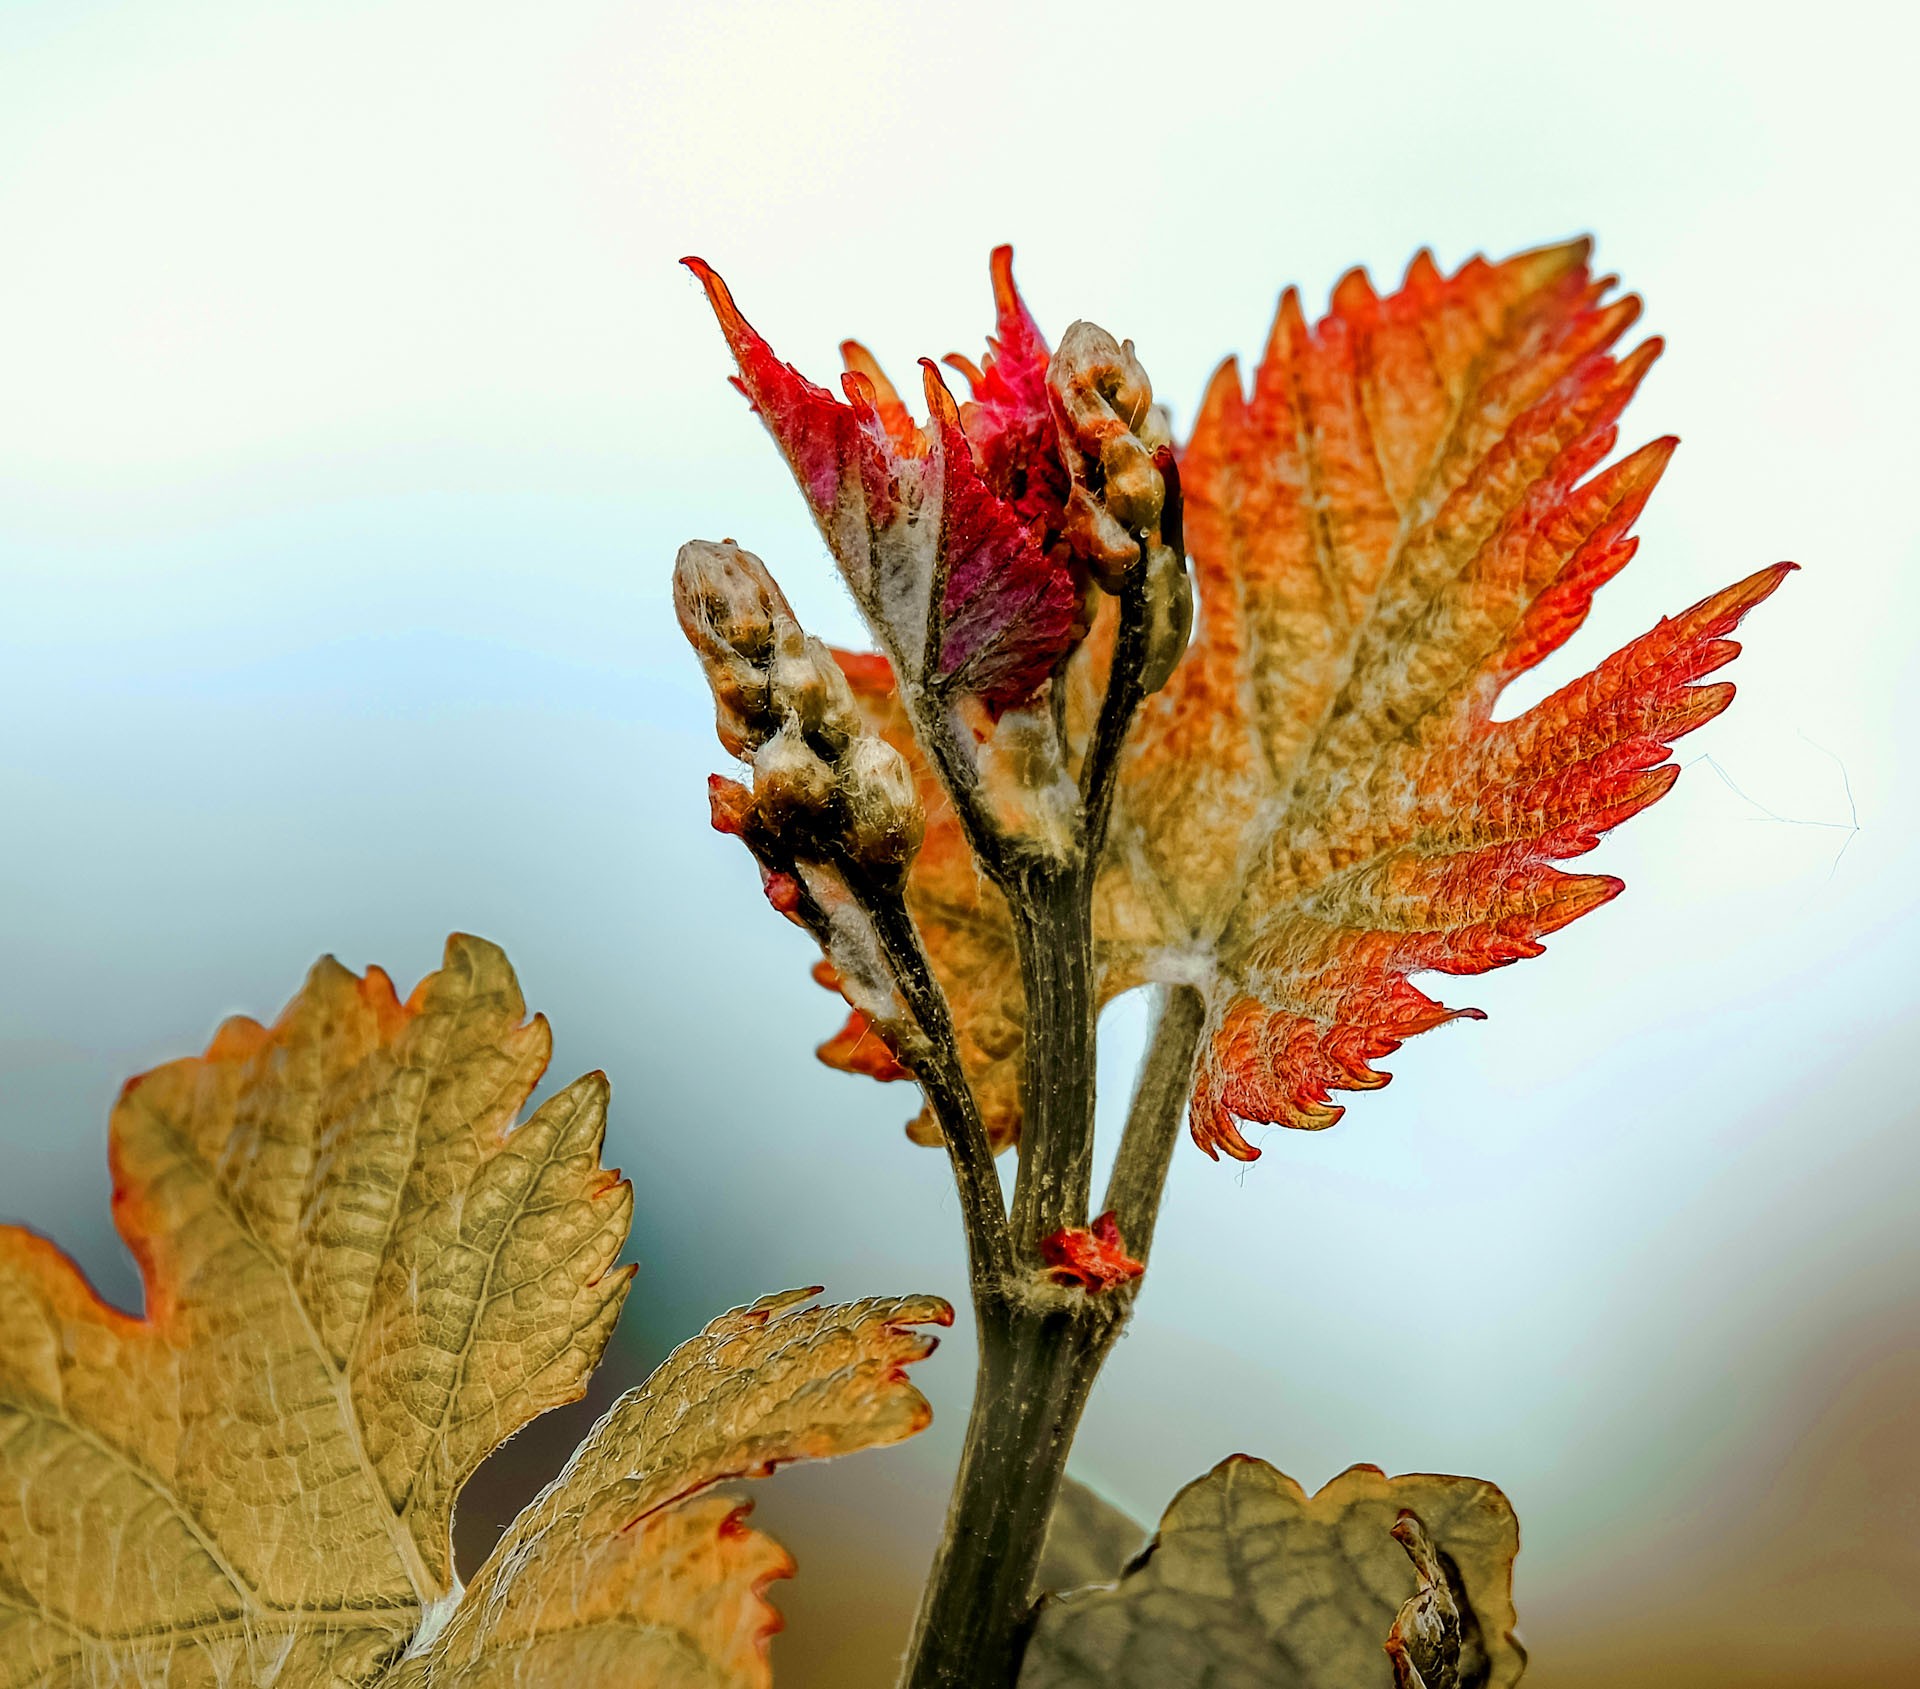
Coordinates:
[1252,1584]
[1410,507]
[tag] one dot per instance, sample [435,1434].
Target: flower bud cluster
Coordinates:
[1123,513]
[821,782]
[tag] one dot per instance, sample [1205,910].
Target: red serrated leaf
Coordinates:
[1009,419]
[957,579]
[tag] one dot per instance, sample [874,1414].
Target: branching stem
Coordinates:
[1041,1348]
[1042,1343]
[982,1206]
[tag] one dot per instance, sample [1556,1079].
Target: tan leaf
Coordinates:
[360,1278]
[1252,1584]
[613,1575]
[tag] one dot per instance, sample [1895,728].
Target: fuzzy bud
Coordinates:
[792,786]
[728,607]
[1109,432]
[807,684]
[726,600]
[884,820]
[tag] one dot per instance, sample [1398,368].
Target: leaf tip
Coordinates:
[1000,267]
[1634,366]
[939,401]
[735,326]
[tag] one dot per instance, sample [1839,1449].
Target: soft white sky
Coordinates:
[354,408]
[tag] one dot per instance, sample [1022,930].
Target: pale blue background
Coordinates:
[351,410]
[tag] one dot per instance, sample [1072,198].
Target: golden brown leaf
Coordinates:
[1252,1584]
[1407,511]
[360,1279]
[613,1575]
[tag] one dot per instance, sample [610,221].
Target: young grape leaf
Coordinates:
[360,1279]
[952,567]
[1252,1584]
[613,1575]
[1406,512]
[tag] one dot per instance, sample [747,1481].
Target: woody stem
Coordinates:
[1041,1348]
[1042,1343]
[1051,905]
[1039,1356]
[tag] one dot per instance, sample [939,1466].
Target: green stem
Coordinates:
[1038,1361]
[1052,922]
[1100,773]
[982,1204]
[1153,1122]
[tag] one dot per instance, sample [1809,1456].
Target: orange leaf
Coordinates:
[1406,511]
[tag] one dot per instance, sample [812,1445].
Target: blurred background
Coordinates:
[354,408]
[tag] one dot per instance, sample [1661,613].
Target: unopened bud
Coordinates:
[808,684]
[726,600]
[1110,431]
[728,605]
[1097,383]
[1098,540]
[1134,490]
[791,784]
[742,716]
[885,822]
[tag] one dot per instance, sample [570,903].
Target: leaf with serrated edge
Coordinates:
[360,1278]
[1408,510]
[1252,1584]
[954,575]
[584,1587]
